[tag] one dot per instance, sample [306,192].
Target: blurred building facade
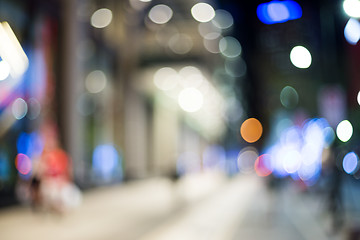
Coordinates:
[90,90]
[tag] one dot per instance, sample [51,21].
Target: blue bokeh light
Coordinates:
[262,14]
[329,136]
[30,144]
[278,11]
[352,31]
[350,162]
[298,151]
[23,143]
[106,160]
[294,9]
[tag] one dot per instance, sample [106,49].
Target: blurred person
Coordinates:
[57,189]
[50,186]
[35,191]
[334,201]
[28,187]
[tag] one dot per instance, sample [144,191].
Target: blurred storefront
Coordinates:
[28,104]
[99,95]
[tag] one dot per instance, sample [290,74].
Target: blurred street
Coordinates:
[239,208]
[179,120]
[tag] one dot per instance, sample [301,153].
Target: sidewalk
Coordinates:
[126,211]
[215,218]
[286,214]
[206,206]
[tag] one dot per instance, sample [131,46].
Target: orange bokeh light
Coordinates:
[251,130]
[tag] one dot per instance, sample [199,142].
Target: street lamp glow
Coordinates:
[300,57]
[190,100]
[11,51]
[203,12]
[344,130]
[352,8]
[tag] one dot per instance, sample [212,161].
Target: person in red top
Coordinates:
[55,172]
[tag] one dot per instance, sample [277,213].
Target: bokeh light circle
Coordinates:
[203,12]
[291,160]
[246,159]
[19,108]
[212,45]
[190,100]
[191,77]
[166,78]
[350,162]
[23,164]
[262,165]
[101,18]
[251,130]
[352,8]
[96,81]
[139,5]
[230,47]
[352,31]
[278,12]
[344,130]
[105,160]
[160,14]
[180,43]
[300,57]
[34,108]
[223,19]
[289,97]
